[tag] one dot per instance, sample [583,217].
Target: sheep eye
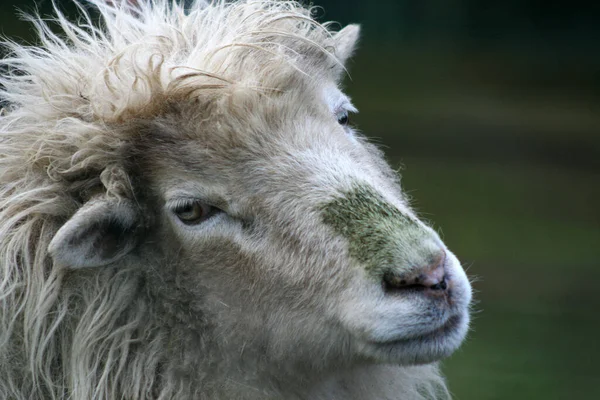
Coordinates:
[343,118]
[192,213]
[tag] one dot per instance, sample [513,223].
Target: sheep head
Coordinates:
[287,223]
[266,233]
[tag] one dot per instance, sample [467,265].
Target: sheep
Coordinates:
[186,213]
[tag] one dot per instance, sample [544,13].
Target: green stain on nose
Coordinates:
[379,235]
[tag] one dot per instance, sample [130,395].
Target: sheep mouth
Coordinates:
[450,327]
[423,348]
[446,329]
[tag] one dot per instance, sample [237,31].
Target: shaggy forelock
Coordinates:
[159,52]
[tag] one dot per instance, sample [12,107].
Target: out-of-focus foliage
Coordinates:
[493,110]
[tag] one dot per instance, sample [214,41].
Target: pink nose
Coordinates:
[429,277]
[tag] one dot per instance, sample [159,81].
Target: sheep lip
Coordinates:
[449,327]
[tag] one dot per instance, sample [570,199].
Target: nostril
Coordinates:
[443,285]
[430,277]
[392,282]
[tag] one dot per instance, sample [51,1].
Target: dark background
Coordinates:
[493,110]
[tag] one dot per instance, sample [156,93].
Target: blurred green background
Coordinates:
[492,109]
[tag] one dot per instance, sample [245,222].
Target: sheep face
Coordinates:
[266,220]
[280,228]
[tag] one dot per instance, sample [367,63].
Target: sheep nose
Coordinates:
[430,277]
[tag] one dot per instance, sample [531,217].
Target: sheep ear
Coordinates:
[99,233]
[345,42]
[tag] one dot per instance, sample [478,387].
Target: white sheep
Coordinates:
[185,213]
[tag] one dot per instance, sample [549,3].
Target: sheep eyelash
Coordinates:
[346,106]
[181,200]
[178,204]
